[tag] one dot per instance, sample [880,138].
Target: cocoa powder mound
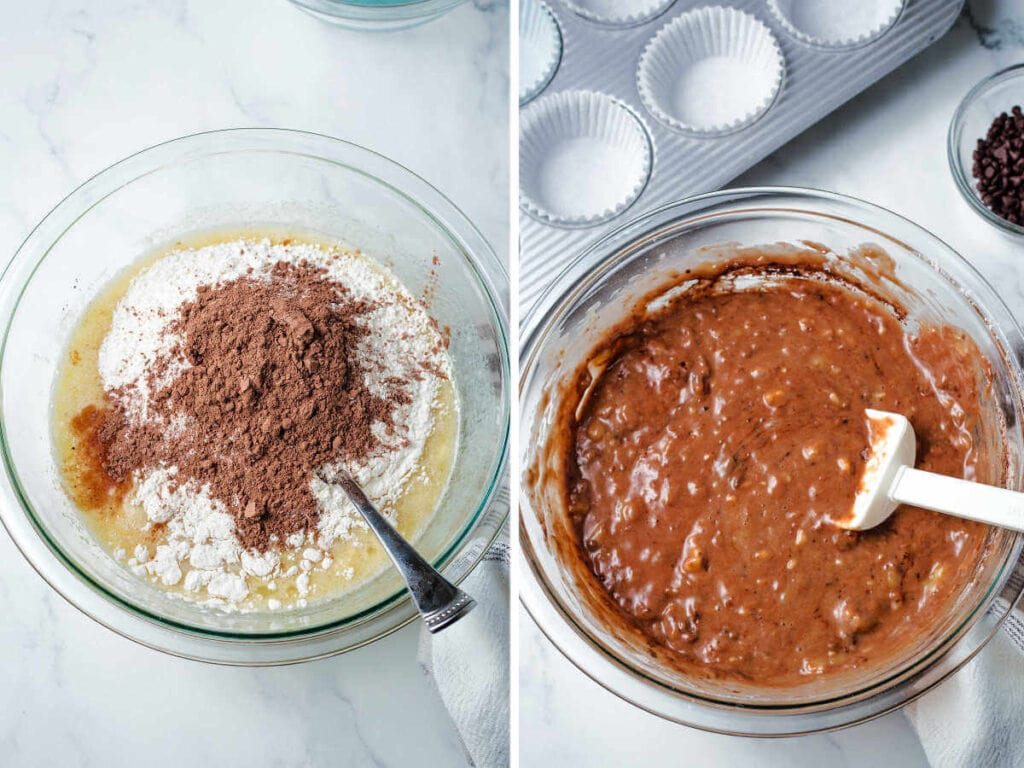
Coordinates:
[274,389]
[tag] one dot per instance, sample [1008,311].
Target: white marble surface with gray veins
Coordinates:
[83,84]
[886,146]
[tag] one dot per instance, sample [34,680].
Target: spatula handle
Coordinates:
[960,498]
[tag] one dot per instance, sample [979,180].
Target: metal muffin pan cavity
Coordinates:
[836,23]
[618,13]
[714,88]
[710,71]
[584,158]
[540,48]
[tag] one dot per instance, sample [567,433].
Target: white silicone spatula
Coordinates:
[890,479]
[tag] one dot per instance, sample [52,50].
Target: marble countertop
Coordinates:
[886,146]
[84,84]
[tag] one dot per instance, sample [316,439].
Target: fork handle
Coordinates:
[439,602]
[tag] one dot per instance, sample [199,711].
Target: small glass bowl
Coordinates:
[594,294]
[247,179]
[991,97]
[377,15]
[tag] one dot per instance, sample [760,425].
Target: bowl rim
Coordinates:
[557,623]
[410,10]
[954,137]
[20,520]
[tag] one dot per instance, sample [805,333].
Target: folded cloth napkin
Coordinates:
[976,717]
[469,661]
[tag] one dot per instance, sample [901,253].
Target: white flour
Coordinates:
[201,552]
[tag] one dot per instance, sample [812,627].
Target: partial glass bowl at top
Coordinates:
[283,181]
[987,100]
[598,290]
[377,15]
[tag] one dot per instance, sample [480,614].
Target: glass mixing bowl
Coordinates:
[597,290]
[281,180]
[377,15]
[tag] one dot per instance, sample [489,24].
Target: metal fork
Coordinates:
[439,602]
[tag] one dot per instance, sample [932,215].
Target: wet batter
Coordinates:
[721,435]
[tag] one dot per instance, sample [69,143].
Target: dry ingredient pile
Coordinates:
[233,374]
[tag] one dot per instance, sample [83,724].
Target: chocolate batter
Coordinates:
[722,434]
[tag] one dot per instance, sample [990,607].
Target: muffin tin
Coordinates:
[765,69]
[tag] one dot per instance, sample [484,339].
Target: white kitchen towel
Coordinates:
[975,718]
[469,661]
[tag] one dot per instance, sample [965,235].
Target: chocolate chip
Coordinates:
[999,166]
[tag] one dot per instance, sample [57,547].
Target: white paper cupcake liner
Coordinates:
[618,13]
[710,71]
[540,48]
[836,23]
[584,157]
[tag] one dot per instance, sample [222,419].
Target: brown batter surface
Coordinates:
[724,433]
